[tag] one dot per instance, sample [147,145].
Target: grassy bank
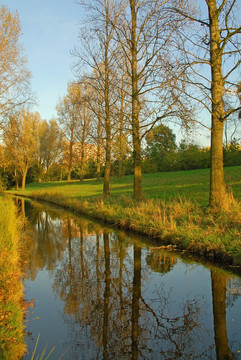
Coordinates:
[174,210]
[12,345]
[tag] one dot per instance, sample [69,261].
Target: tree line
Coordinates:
[140,64]
[37,151]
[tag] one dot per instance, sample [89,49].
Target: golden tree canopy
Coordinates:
[14,76]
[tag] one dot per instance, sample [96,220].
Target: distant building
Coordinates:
[90,152]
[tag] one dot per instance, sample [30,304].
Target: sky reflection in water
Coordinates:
[104,294]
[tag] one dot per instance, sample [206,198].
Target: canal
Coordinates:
[95,292]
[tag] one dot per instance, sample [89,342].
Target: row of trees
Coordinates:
[139,63]
[170,60]
[163,154]
[31,143]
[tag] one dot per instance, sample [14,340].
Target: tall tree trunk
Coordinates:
[121,151]
[219,316]
[106,187]
[82,158]
[16,177]
[24,174]
[98,158]
[70,163]
[217,184]
[98,164]
[135,107]
[69,175]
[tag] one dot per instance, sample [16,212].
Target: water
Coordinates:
[99,293]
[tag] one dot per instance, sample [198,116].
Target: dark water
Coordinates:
[105,294]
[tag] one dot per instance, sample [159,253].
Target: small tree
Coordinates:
[51,146]
[68,110]
[22,141]
[161,143]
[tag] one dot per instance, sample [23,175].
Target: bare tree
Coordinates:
[14,76]
[84,121]
[211,51]
[98,53]
[68,110]
[95,103]
[145,32]
[123,119]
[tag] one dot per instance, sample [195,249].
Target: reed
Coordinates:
[43,355]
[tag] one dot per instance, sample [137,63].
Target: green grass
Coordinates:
[192,184]
[174,210]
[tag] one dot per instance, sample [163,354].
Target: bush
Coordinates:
[232,154]
[6,180]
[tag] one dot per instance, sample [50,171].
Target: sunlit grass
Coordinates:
[12,345]
[174,208]
[192,184]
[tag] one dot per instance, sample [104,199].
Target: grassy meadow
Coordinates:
[174,209]
[191,184]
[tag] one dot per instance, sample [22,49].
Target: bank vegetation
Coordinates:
[12,304]
[180,216]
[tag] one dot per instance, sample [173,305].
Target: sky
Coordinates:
[50,31]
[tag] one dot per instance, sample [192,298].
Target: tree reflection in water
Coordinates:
[114,292]
[219,315]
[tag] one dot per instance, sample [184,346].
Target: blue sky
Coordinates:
[50,30]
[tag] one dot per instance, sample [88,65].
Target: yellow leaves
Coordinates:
[74,91]
[9,28]
[10,31]
[14,77]
[31,303]
[21,138]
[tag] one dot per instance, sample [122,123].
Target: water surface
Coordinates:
[99,293]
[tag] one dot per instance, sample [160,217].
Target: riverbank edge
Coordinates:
[181,224]
[12,302]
